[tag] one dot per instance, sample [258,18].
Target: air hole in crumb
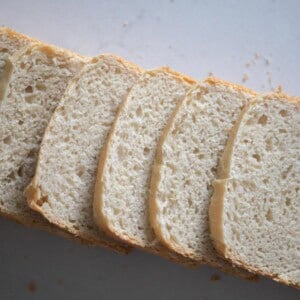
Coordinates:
[190,202]
[271,199]
[269,145]
[20,122]
[29,99]
[117,71]
[146,151]
[136,168]
[187,182]
[269,215]
[198,95]
[22,65]
[4,50]
[286,172]
[12,175]
[196,150]
[194,119]
[201,156]
[288,202]
[80,171]
[7,140]
[283,113]
[266,180]
[213,170]
[282,131]
[256,156]
[139,112]
[40,87]
[263,120]
[116,211]
[21,171]
[31,153]
[29,89]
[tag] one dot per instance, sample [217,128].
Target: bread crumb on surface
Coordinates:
[31,287]
[279,89]
[256,55]
[210,74]
[267,61]
[59,281]
[215,277]
[245,78]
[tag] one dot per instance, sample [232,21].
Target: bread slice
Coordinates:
[63,186]
[185,165]
[120,203]
[254,211]
[10,42]
[39,77]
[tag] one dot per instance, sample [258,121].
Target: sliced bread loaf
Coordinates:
[39,78]
[121,194]
[10,42]
[255,208]
[185,165]
[63,186]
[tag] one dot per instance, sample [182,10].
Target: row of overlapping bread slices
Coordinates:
[103,151]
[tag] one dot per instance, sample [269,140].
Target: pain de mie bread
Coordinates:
[63,186]
[254,211]
[186,161]
[39,76]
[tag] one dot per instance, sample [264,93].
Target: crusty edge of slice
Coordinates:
[155,178]
[45,226]
[35,194]
[16,35]
[217,199]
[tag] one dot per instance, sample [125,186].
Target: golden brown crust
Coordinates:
[237,87]
[217,200]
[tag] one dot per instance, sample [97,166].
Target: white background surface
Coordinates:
[194,37]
